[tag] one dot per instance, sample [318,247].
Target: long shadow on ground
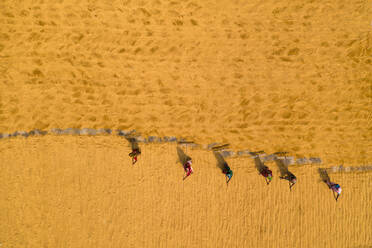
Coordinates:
[260,166]
[133,142]
[324,175]
[285,173]
[221,162]
[183,158]
[283,169]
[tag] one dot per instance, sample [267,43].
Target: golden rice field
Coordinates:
[270,75]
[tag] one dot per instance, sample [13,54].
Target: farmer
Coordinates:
[336,188]
[291,179]
[134,154]
[267,174]
[188,169]
[228,172]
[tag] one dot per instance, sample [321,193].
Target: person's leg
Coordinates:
[267,181]
[337,197]
[227,178]
[187,171]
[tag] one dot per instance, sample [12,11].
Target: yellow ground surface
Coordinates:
[271,75]
[262,75]
[84,192]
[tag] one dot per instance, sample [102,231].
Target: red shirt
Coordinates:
[266,172]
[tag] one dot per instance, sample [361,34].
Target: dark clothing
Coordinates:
[290,177]
[227,171]
[134,154]
[266,172]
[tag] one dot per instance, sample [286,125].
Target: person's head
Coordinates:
[294,180]
[338,188]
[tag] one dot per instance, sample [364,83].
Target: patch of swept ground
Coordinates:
[83,191]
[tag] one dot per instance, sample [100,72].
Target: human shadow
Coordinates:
[285,173]
[258,163]
[136,150]
[223,166]
[133,142]
[182,156]
[324,175]
[185,161]
[221,162]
